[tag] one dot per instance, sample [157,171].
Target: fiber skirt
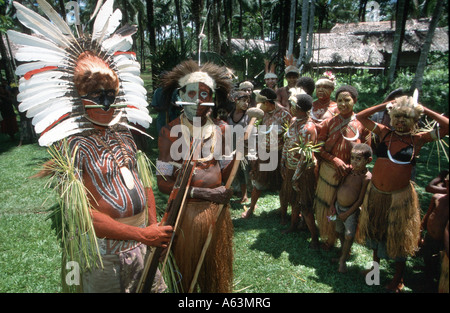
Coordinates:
[392,218]
[327,185]
[304,198]
[216,274]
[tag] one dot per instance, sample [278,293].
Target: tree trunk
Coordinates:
[216,26]
[401,16]
[312,8]
[418,79]
[292,27]
[241,11]
[304,33]
[152,37]
[362,10]
[262,19]
[196,10]
[180,27]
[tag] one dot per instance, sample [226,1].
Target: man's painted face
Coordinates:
[103,98]
[323,92]
[345,103]
[196,93]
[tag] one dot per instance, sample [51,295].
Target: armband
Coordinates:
[164,168]
[375,126]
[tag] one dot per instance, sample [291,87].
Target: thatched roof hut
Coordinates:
[252,44]
[369,44]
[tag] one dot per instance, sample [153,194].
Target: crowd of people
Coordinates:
[318,156]
[324,148]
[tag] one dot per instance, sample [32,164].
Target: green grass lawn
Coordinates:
[266,261]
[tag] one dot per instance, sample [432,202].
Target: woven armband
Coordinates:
[164,168]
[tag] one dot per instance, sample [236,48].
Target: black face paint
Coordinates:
[102,97]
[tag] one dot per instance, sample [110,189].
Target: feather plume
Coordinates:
[41,97]
[29,53]
[32,83]
[50,118]
[416,97]
[38,113]
[41,26]
[101,21]
[47,106]
[135,106]
[48,85]
[97,7]
[135,88]
[28,40]
[126,30]
[136,117]
[24,68]
[113,22]
[117,43]
[128,65]
[53,74]
[136,100]
[55,18]
[66,128]
[128,77]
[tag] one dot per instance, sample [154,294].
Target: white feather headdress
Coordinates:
[48,60]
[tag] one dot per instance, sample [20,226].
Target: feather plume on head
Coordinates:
[269,69]
[57,69]
[327,79]
[408,106]
[290,67]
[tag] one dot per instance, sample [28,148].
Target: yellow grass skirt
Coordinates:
[216,274]
[326,189]
[392,218]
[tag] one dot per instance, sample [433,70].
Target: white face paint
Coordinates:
[193,96]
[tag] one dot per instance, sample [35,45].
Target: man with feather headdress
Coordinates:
[80,93]
[206,193]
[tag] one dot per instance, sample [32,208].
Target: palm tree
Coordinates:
[400,20]
[418,79]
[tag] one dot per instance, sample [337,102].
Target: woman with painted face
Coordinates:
[324,108]
[390,218]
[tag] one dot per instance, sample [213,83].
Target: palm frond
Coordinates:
[78,239]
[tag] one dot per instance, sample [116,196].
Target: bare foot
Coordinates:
[243,200]
[342,267]
[394,287]
[247,213]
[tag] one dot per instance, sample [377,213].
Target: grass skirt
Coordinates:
[392,218]
[443,280]
[327,185]
[216,274]
[266,180]
[304,198]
